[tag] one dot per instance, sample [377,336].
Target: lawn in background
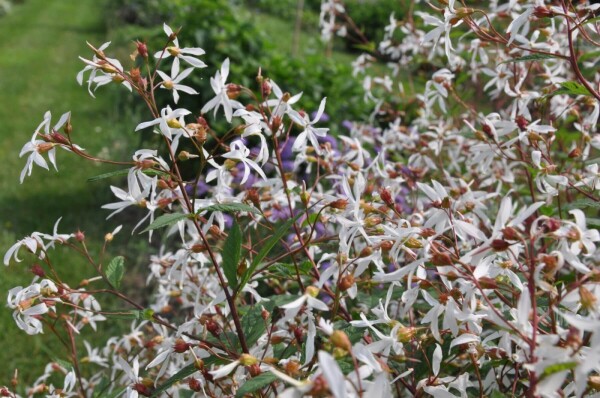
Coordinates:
[40,42]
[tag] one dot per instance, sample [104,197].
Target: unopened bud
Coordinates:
[194,384]
[142,49]
[339,204]
[386,196]
[199,364]
[522,122]
[264,314]
[543,12]
[440,259]
[509,233]
[37,269]
[185,155]
[233,91]
[181,346]
[340,340]
[413,243]
[575,153]
[366,252]
[346,282]
[499,245]
[266,88]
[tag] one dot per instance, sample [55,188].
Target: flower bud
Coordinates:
[440,259]
[142,389]
[266,88]
[522,122]
[199,364]
[194,384]
[142,49]
[340,340]
[543,12]
[233,90]
[499,245]
[254,370]
[181,346]
[37,269]
[575,153]
[213,327]
[386,196]
[346,282]
[59,138]
[413,243]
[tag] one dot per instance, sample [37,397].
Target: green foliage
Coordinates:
[255,384]
[370,16]
[165,220]
[232,253]
[115,271]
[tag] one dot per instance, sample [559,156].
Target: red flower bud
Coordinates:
[37,269]
[142,49]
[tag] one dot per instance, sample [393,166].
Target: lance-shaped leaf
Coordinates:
[232,253]
[115,271]
[266,249]
[230,208]
[165,220]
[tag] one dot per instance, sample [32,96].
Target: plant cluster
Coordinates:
[450,253]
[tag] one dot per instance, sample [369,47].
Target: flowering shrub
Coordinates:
[452,253]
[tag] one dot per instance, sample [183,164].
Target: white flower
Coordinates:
[38,147]
[173,82]
[309,133]
[238,151]
[32,243]
[22,300]
[186,54]
[170,122]
[221,98]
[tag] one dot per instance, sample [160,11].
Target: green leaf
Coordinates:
[255,384]
[558,367]
[65,364]
[253,325]
[182,374]
[232,253]
[266,249]
[124,172]
[582,203]
[165,220]
[572,88]
[147,314]
[230,208]
[115,271]
[531,57]
[127,314]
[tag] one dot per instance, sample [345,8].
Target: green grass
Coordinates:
[281,37]
[40,42]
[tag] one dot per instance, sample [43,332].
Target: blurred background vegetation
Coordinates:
[40,41]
